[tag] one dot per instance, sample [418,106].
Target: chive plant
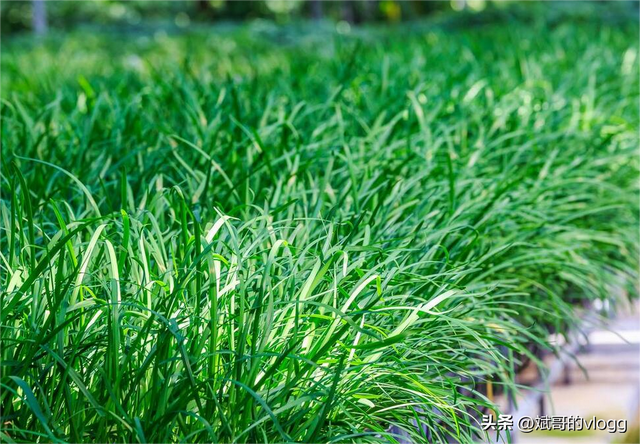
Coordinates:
[274,235]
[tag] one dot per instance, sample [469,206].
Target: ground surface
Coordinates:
[607,386]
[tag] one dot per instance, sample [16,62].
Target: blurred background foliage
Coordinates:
[50,15]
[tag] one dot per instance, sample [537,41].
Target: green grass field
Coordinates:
[262,234]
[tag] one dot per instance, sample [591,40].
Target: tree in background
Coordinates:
[347,11]
[316,9]
[370,8]
[39,17]
[203,6]
[241,10]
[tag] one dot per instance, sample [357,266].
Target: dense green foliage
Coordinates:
[16,15]
[262,234]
